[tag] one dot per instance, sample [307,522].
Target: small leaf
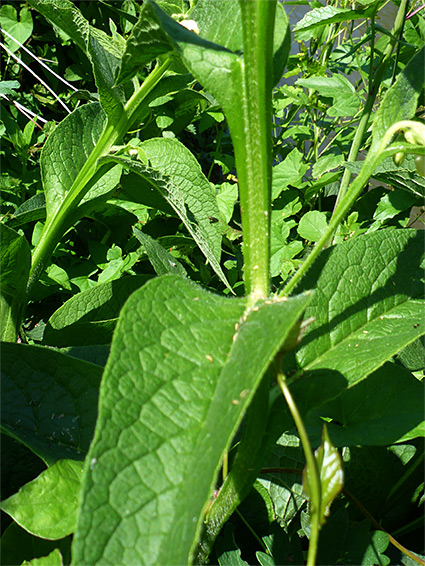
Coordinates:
[312,225]
[47,506]
[329,465]
[53,559]
[18,27]
[9,87]
[319,17]
[162,261]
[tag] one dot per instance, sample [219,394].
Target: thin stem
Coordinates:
[315,486]
[361,507]
[375,79]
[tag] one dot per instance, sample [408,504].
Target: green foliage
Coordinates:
[180,233]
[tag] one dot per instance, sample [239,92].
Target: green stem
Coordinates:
[253,152]
[369,165]
[315,486]
[375,79]
[57,225]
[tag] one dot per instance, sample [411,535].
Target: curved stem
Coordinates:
[315,486]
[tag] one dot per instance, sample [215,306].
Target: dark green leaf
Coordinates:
[16,545]
[90,316]
[385,408]
[162,261]
[15,263]
[31,210]
[49,401]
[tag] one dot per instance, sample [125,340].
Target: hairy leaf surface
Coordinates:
[178,380]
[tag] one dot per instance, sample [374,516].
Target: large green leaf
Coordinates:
[173,171]
[49,401]
[220,27]
[184,365]
[368,303]
[66,151]
[15,263]
[401,99]
[384,408]
[65,15]
[47,506]
[90,316]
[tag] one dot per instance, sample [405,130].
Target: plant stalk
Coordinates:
[315,485]
[57,225]
[375,79]
[253,153]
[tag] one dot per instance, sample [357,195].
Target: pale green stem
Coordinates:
[254,155]
[355,189]
[57,225]
[315,486]
[375,79]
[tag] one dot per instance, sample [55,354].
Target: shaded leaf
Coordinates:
[49,401]
[17,545]
[162,261]
[90,317]
[385,408]
[15,263]
[31,210]
[47,506]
